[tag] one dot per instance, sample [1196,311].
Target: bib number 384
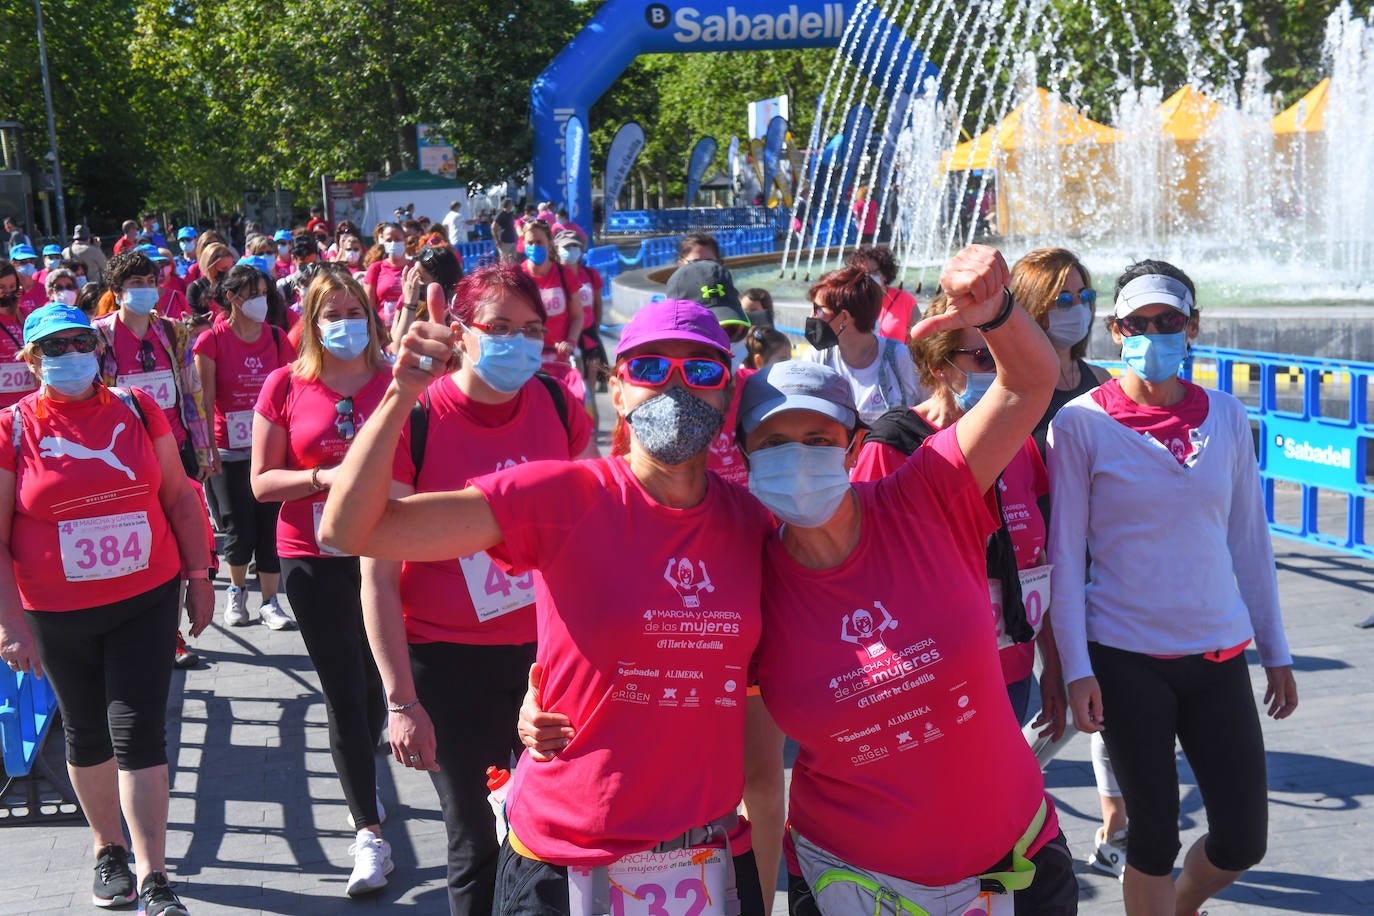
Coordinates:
[105,547]
[493,592]
[684,882]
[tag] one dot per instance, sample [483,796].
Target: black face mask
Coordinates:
[820,334]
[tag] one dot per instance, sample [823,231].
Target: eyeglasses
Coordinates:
[653,371]
[504,329]
[817,309]
[981,356]
[1170,322]
[1086,296]
[345,423]
[146,358]
[56,346]
[63,288]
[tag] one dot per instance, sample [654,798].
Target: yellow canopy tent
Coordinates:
[1187,114]
[1049,160]
[1307,114]
[1042,119]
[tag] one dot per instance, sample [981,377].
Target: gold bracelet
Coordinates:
[315,479]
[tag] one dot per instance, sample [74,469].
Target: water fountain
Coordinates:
[1259,218]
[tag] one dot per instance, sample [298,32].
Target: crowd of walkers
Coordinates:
[861,550]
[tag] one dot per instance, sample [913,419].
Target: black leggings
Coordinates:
[250,527]
[1210,708]
[472,695]
[111,668]
[323,592]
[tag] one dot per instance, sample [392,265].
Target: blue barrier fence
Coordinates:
[695,219]
[476,254]
[1314,432]
[27,704]
[660,251]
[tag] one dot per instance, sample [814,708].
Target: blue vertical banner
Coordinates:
[625,147]
[703,154]
[772,152]
[575,161]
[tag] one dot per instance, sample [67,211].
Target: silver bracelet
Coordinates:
[402,707]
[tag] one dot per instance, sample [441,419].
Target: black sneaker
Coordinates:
[114,883]
[155,898]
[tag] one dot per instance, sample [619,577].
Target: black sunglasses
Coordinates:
[345,423]
[1170,322]
[146,358]
[56,346]
[981,356]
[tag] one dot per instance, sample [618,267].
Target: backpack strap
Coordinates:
[1002,567]
[419,432]
[560,403]
[131,402]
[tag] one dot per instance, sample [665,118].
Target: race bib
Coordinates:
[682,882]
[495,594]
[159,385]
[1035,595]
[16,377]
[105,547]
[318,510]
[239,424]
[555,303]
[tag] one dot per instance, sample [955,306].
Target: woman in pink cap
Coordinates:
[655,677]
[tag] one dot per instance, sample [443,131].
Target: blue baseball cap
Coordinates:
[51,318]
[259,261]
[51,251]
[22,252]
[186,232]
[281,235]
[153,252]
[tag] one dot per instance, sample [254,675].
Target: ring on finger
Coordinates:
[414,758]
[426,363]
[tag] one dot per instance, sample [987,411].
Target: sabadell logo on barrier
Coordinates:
[1330,456]
[738,27]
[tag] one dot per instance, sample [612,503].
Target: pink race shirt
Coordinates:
[884,669]
[385,279]
[652,670]
[1024,481]
[16,380]
[894,320]
[88,526]
[555,299]
[240,371]
[1172,426]
[472,600]
[158,382]
[172,303]
[308,411]
[724,457]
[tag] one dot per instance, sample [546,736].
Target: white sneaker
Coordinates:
[273,616]
[381,813]
[237,613]
[1110,855]
[371,863]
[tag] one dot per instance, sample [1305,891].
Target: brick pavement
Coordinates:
[258,820]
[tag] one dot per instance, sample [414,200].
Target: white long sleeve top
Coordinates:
[1182,561]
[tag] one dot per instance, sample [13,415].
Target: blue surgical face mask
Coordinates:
[50,263]
[394,249]
[1154,357]
[140,300]
[26,270]
[346,338]
[570,255]
[537,254]
[802,485]
[507,363]
[71,373]
[976,384]
[187,247]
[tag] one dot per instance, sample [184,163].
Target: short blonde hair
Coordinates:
[212,253]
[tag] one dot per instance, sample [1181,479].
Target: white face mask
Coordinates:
[254,309]
[802,485]
[353,256]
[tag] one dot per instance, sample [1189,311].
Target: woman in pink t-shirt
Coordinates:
[350,254]
[307,415]
[558,288]
[654,674]
[234,359]
[383,277]
[957,366]
[100,526]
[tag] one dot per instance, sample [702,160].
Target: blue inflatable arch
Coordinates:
[623,29]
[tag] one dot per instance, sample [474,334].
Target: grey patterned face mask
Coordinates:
[675,425]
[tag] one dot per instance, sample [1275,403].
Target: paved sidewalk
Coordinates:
[258,819]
